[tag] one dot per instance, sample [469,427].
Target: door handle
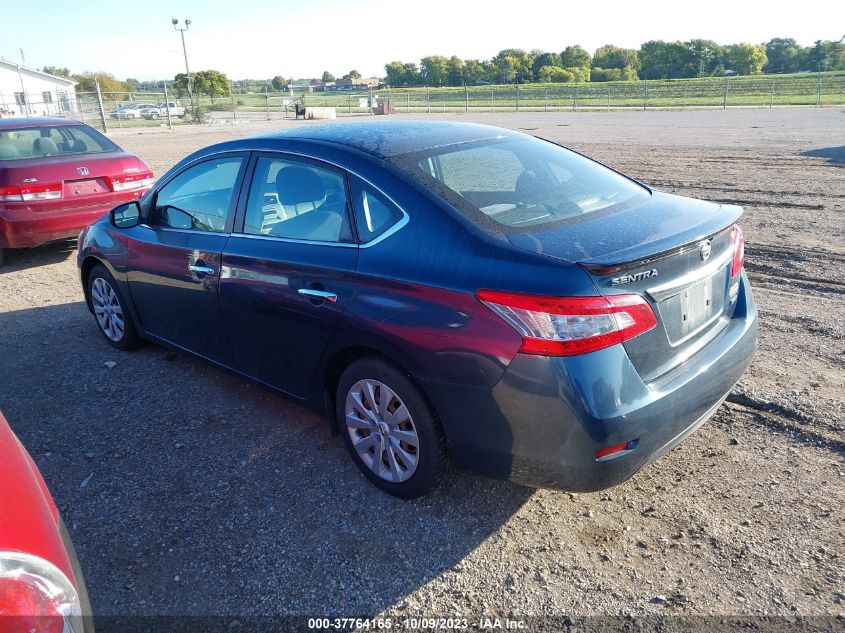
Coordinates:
[201,270]
[318,294]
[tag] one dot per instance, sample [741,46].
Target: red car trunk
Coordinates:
[82,180]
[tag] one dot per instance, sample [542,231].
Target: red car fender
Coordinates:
[29,520]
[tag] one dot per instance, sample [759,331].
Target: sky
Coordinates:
[261,38]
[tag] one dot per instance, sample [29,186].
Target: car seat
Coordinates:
[43,146]
[301,193]
[8,151]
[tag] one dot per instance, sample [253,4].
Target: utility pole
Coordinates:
[25,106]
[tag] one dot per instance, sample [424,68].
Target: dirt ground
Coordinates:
[188,491]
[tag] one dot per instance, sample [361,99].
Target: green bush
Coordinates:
[196,113]
[606,74]
[555,74]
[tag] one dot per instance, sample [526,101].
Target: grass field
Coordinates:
[759,91]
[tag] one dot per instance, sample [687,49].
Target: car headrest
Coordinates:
[8,151]
[298,185]
[43,146]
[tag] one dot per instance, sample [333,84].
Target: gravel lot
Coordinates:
[189,491]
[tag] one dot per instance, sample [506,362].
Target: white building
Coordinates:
[29,92]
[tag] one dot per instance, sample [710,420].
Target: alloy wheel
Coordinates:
[382,430]
[107,309]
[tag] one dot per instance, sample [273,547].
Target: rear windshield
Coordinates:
[511,184]
[48,141]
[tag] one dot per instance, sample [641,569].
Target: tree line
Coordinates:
[655,59]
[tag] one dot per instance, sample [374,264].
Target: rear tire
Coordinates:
[110,310]
[390,429]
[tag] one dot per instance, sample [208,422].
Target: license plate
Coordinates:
[694,308]
[87,187]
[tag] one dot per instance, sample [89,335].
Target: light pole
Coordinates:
[725,101]
[185,53]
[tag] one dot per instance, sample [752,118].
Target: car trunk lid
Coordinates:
[675,252]
[70,182]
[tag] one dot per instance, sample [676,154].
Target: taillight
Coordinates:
[36,597]
[127,182]
[739,251]
[567,326]
[31,192]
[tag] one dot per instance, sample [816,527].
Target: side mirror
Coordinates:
[126,215]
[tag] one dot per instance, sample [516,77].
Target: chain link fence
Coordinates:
[113,110]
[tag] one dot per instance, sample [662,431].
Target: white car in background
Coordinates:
[127,111]
[159,111]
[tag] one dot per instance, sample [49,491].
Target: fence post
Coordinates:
[267,104]
[100,105]
[466,98]
[545,99]
[119,123]
[772,96]
[725,102]
[491,99]
[167,108]
[819,90]
[684,98]
[575,98]
[234,108]
[608,96]
[517,97]
[428,99]
[645,95]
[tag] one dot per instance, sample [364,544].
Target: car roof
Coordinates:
[17,123]
[388,138]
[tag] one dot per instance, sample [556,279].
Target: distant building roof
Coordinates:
[32,71]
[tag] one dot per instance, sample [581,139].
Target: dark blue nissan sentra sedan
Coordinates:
[442,292]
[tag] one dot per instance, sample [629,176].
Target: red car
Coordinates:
[41,586]
[57,176]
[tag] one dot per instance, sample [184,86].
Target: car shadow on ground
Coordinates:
[835,155]
[24,258]
[188,490]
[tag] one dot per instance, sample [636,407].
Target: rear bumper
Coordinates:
[22,228]
[542,424]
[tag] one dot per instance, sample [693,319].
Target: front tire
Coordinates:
[110,310]
[390,430]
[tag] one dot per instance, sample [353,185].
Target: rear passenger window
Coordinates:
[374,213]
[297,200]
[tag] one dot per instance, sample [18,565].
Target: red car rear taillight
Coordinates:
[739,251]
[35,596]
[567,326]
[31,192]
[127,182]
